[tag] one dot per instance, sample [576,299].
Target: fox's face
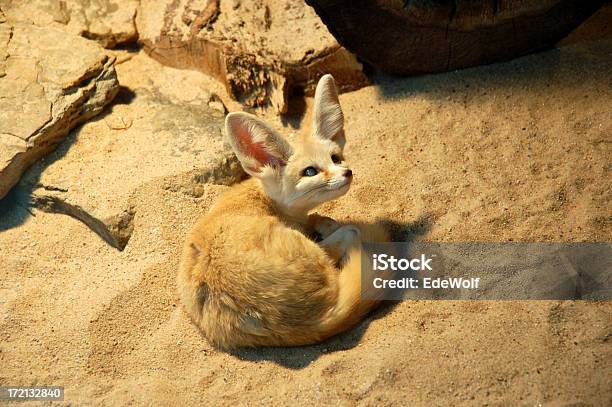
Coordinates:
[316,172]
[300,175]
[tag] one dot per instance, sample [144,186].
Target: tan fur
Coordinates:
[250,272]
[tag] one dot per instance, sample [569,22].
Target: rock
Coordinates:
[50,82]
[256,48]
[422,36]
[111,23]
[161,130]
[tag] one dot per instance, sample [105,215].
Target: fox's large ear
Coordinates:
[328,121]
[256,145]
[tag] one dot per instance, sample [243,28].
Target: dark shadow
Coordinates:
[125,96]
[296,109]
[133,47]
[408,232]
[302,356]
[583,53]
[533,71]
[17,206]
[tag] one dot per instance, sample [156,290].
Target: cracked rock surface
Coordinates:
[110,22]
[256,48]
[163,129]
[45,91]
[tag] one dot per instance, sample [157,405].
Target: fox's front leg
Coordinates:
[339,243]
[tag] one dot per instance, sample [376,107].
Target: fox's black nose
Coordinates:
[348,173]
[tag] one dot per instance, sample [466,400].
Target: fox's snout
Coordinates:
[345,176]
[341,173]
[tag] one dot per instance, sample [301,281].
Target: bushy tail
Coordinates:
[227,327]
[351,307]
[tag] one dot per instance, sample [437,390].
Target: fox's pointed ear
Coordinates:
[328,121]
[256,145]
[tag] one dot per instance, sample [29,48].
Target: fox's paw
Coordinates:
[339,244]
[352,233]
[323,225]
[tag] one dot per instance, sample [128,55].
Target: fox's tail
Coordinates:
[228,326]
[351,307]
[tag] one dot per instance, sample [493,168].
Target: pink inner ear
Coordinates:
[256,150]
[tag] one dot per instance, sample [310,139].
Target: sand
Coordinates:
[519,151]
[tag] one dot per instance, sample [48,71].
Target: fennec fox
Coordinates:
[251,273]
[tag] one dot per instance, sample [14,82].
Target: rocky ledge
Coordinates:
[256,48]
[45,91]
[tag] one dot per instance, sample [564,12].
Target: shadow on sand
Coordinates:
[17,206]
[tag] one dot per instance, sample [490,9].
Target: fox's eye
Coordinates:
[336,159]
[310,172]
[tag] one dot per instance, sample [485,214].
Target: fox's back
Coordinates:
[244,234]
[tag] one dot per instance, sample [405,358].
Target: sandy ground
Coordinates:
[519,151]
